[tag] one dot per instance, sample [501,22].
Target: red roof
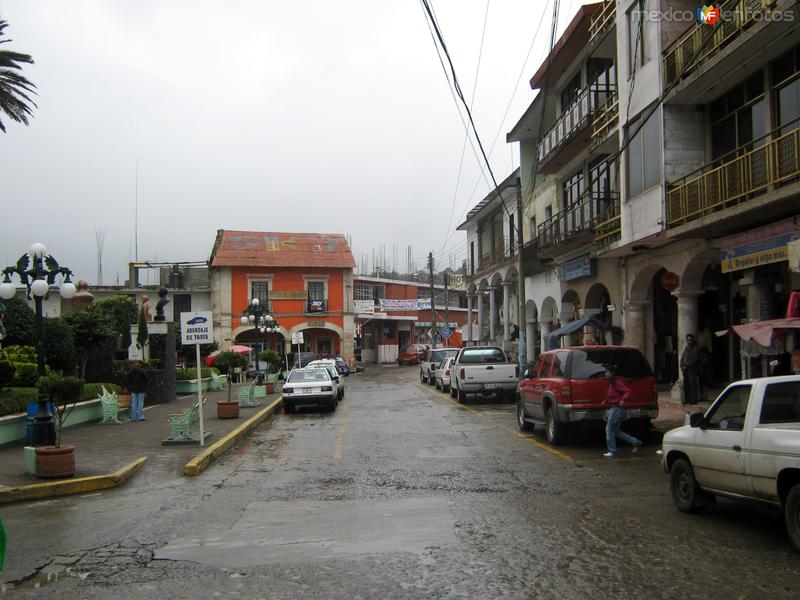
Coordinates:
[280,249]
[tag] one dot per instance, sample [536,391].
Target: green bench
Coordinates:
[248,395]
[111,408]
[181,425]
[218,382]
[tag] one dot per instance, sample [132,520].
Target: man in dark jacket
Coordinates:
[137,386]
[691,367]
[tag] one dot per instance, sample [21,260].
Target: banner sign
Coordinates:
[583,266]
[760,246]
[404,305]
[364,306]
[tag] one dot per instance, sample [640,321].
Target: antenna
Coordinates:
[136,214]
[100,239]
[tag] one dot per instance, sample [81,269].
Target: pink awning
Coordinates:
[763,331]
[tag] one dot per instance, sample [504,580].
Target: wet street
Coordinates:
[401,493]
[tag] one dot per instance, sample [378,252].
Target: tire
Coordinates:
[686,494]
[432,379]
[436,383]
[521,422]
[422,377]
[556,430]
[791,511]
[287,408]
[452,392]
[462,396]
[332,406]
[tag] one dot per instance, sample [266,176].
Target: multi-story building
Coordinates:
[661,173]
[304,279]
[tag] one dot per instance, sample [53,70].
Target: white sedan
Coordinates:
[443,374]
[309,386]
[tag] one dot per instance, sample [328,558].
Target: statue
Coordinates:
[146,308]
[83,298]
[163,300]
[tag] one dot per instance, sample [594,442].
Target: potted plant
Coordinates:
[273,359]
[226,362]
[57,462]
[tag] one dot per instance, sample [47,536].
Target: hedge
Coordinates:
[93,390]
[14,401]
[184,374]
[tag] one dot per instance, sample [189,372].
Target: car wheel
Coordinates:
[422,377]
[452,392]
[521,416]
[686,494]
[792,515]
[332,406]
[556,430]
[462,396]
[287,408]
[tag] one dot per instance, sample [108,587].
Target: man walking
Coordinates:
[137,386]
[691,367]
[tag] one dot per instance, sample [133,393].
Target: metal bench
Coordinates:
[218,382]
[111,408]
[181,425]
[248,396]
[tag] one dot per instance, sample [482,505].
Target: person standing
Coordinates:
[137,386]
[691,367]
[617,395]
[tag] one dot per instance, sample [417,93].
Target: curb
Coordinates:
[200,462]
[65,487]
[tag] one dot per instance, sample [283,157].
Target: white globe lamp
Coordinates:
[68,290]
[7,290]
[39,288]
[244,321]
[38,250]
[255,302]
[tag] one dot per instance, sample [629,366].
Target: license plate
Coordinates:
[634,412]
[491,386]
[308,391]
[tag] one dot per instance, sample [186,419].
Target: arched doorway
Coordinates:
[665,331]
[597,300]
[532,336]
[261,341]
[570,311]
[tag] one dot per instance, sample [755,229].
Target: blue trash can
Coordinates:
[33,410]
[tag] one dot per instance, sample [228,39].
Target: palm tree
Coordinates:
[15,100]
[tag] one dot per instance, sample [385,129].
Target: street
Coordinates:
[401,493]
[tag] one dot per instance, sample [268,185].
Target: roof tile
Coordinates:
[281,249]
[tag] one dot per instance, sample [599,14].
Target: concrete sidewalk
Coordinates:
[102,449]
[671,413]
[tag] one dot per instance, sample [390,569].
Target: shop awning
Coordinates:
[763,332]
[572,327]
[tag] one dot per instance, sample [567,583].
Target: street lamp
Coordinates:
[258,316]
[37,271]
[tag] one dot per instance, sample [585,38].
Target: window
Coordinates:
[472,258]
[738,117]
[786,79]
[570,92]
[781,403]
[548,212]
[603,185]
[180,303]
[591,364]
[559,364]
[367,291]
[730,410]
[572,189]
[477,356]
[316,296]
[644,154]
[260,290]
[602,80]
[638,52]
[511,235]
[544,364]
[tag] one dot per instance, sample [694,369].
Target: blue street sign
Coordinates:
[446,333]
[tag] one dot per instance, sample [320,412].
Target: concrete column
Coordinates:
[530,340]
[544,328]
[687,317]
[469,317]
[492,313]
[480,316]
[507,311]
[635,327]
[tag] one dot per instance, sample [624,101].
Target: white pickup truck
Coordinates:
[483,370]
[747,445]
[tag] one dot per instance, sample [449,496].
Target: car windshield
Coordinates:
[438,356]
[482,355]
[591,364]
[308,375]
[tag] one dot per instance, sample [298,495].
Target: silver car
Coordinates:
[330,366]
[443,374]
[309,386]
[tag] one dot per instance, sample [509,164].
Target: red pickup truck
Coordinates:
[567,386]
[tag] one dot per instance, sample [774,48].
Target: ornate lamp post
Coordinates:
[258,316]
[37,271]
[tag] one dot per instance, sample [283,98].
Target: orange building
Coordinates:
[304,279]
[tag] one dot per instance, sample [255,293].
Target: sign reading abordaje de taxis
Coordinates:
[197,327]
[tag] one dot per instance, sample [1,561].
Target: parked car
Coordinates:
[301,359]
[483,370]
[744,446]
[427,366]
[443,374]
[330,366]
[411,355]
[309,386]
[341,363]
[567,386]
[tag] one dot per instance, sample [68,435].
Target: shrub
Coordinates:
[14,401]
[25,374]
[6,373]
[94,338]
[121,312]
[191,373]
[20,354]
[223,360]
[20,323]
[271,357]
[64,393]
[93,390]
[59,349]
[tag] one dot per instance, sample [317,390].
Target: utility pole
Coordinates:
[521,317]
[446,301]
[433,302]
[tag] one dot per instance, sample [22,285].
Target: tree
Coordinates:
[59,346]
[20,323]
[223,360]
[91,329]
[142,333]
[15,88]
[64,393]
[121,311]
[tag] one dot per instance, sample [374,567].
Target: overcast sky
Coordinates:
[311,116]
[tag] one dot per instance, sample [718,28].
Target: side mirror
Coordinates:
[695,419]
[337,379]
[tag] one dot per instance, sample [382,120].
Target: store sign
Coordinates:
[457,281]
[362,307]
[794,256]
[404,305]
[583,266]
[670,281]
[760,246]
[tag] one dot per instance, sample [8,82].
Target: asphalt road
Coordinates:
[401,493]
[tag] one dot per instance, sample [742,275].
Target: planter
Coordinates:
[189,386]
[270,387]
[124,400]
[55,462]
[228,410]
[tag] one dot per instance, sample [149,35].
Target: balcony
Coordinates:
[564,139]
[317,306]
[768,164]
[602,20]
[500,254]
[608,225]
[593,218]
[694,47]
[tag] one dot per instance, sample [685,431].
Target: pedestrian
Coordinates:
[691,367]
[617,395]
[137,386]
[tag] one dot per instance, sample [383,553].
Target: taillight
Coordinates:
[327,388]
[655,394]
[566,391]
[447,373]
[288,390]
[461,374]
